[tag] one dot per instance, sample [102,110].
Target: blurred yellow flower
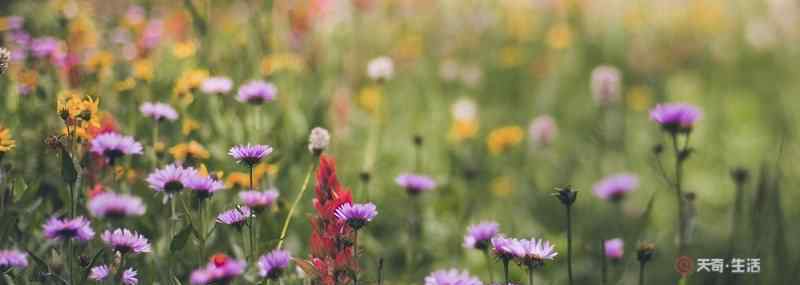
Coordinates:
[265,168]
[5,23]
[370,98]
[559,36]
[237,179]
[639,97]
[184,49]
[159,147]
[82,34]
[188,82]
[502,186]
[188,126]
[510,56]
[409,47]
[125,85]
[519,23]
[99,61]
[500,140]
[28,78]
[6,142]
[189,151]
[463,129]
[282,62]
[143,69]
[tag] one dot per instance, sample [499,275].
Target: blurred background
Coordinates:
[469,79]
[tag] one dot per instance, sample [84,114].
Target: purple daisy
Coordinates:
[99,273]
[257,92]
[126,241]
[614,187]
[129,277]
[171,179]
[258,200]
[113,205]
[159,111]
[203,186]
[533,252]
[249,154]
[505,248]
[12,258]
[415,184]
[451,277]
[216,85]
[220,270]
[236,217]
[676,117]
[614,248]
[356,215]
[273,264]
[113,146]
[64,229]
[479,236]
[44,46]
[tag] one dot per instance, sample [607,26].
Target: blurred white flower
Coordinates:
[381,68]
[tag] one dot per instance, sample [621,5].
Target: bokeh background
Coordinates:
[469,78]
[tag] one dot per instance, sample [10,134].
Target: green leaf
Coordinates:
[179,241]
[68,172]
[91,264]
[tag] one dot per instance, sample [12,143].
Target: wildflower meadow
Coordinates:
[446,142]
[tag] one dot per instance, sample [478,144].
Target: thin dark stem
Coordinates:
[737,211]
[569,244]
[355,254]
[604,264]
[489,265]
[505,271]
[641,273]
[530,275]
[70,252]
[679,195]
[251,178]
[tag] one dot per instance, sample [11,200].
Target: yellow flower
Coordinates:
[500,140]
[143,69]
[370,98]
[192,151]
[188,82]
[125,85]
[510,56]
[463,129]
[282,62]
[559,36]
[502,186]
[203,170]
[77,110]
[100,61]
[184,49]
[6,142]
[639,97]
[409,47]
[264,168]
[188,126]
[237,180]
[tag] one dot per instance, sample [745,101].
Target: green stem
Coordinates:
[530,275]
[505,271]
[355,254]
[569,244]
[488,265]
[294,204]
[679,195]
[641,273]
[70,252]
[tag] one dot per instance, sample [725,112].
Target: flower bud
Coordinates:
[318,140]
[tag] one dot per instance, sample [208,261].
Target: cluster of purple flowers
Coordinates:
[101,273]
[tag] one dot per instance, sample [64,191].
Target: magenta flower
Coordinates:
[203,186]
[221,270]
[151,35]
[356,215]
[235,217]
[99,273]
[129,277]
[12,258]
[258,200]
[249,154]
[415,184]
[44,47]
[63,229]
[257,92]
[614,187]
[676,117]
[171,179]
[479,236]
[606,84]
[113,205]
[158,111]
[126,241]
[533,253]
[505,248]
[542,130]
[113,146]
[614,248]
[451,277]
[216,85]
[273,264]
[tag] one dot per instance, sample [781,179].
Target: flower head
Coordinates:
[505,248]
[257,200]
[158,111]
[129,277]
[170,179]
[606,81]
[257,92]
[99,273]
[451,277]
[533,252]
[63,229]
[44,47]
[502,139]
[12,258]
[273,264]
[220,270]
[479,236]
[236,217]
[415,184]
[6,143]
[356,215]
[614,248]
[676,117]
[110,204]
[249,154]
[615,187]
[203,186]
[381,68]
[566,195]
[113,146]
[542,130]
[318,140]
[216,85]
[126,241]
[189,152]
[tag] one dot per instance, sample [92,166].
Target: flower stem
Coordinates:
[251,178]
[679,195]
[641,273]
[569,244]
[505,271]
[530,275]
[355,253]
[294,204]
[488,265]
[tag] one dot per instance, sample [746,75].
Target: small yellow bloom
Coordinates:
[559,36]
[639,98]
[237,180]
[100,61]
[264,168]
[282,62]
[77,110]
[463,129]
[370,98]
[502,186]
[6,142]
[143,69]
[184,49]
[188,82]
[125,85]
[500,140]
[192,150]
[188,126]
[409,47]
[510,56]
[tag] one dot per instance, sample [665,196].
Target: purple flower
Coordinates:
[542,130]
[158,111]
[257,200]
[533,253]
[614,248]
[12,258]
[14,22]
[63,229]
[249,154]
[606,81]
[236,217]
[479,236]
[216,85]
[126,241]
[615,187]
[505,248]
[99,273]
[151,35]
[257,92]
[113,205]
[676,117]
[113,146]
[356,215]
[44,46]
[220,270]
[203,186]
[273,264]
[415,184]
[451,277]
[171,179]
[129,277]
